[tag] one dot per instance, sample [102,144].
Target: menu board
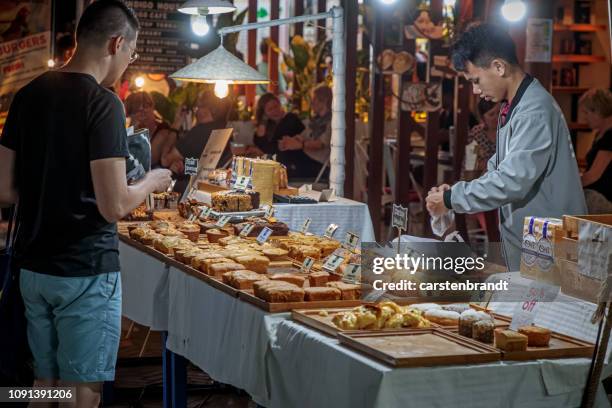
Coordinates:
[164,38]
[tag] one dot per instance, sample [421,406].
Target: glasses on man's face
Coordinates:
[133,54]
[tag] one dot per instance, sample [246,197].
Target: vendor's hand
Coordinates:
[160,179]
[440,189]
[435,204]
[177,167]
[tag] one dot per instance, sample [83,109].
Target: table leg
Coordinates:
[179,380]
[166,372]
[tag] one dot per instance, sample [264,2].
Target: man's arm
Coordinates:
[527,158]
[115,199]
[8,195]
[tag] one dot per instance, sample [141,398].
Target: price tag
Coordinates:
[247,230]
[400,217]
[333,262]
[191,166]
[352,273]
[224,219]
[305,225]
[205,212]
[242,183]
[264,235]
[269,212]
[330,231]
[307,265]
[526,310]
[192,217]
[351,241]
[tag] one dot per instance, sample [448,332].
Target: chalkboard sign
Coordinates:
[164,37]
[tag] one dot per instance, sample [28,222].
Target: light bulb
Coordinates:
[199,25]
[387,1]
[450,3]
[221,89]
[514,10]
[51,63]
[139,81]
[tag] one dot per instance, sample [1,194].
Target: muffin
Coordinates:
[215,234]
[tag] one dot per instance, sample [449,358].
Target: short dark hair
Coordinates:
[107,18]
[480,45]
[261,106]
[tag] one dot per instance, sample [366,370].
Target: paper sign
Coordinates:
[330,231]
[192,217]
[242,183]
[205,212]
[400,217]
[526,310]
[352,273]
[269,212]
[191,166]
[224,219]
[305,225]
[326,195]
[333,262]
[594,250]
[214,148]
[351,241]
[264,235]
[247,230]
[307,265]
[538,43]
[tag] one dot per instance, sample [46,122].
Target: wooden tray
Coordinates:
[419,347]
[248,296]
[560,346]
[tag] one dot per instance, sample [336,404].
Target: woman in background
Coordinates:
[273,123]
[140,109]
[484,134]
[596,105]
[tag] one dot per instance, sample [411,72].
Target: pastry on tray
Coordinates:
[315,294]
[243,279]
[349,291]
[191,230]
[509,340]
[215,234]
[536,336]
[467,320]
[207,263]
[235,201]
[138,233]
[384,315]
[198,260]
[275,254]
[288,277]
[318,278]
[302,252]
[256,263]
[442,317]
[483,330]
[278,291]
[218,269]
[457,307]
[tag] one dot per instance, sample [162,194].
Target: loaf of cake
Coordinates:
[442,317]
[318,278]
[275,254]
[218,269]
[234,201]
[536,336]
[349,291]
[243,279]
[255,263]
[302,252]
[207,263]
[483,331]
[278,291]
[509,340]
[289,277]
[314,294]
[278,228]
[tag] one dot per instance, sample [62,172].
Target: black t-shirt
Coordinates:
[290,125]
[604,184]
[56,125]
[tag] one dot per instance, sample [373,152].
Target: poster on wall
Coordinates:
[539,40]
[25,40]
[422,97]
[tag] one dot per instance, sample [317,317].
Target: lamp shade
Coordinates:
[204,7]
[220,65]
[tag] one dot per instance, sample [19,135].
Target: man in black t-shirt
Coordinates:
[62,157]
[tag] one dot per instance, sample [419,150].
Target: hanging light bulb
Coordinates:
[221,89]
[514,10]
[199,25]
[50,63]
[139,81]
[450,3]
[387,1]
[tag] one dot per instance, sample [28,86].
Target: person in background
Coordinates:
[534,172]
[264,49]
[308,152]
[273,123]
[140,109]
[484,134]
[597,179]
[67,172]
[64,49]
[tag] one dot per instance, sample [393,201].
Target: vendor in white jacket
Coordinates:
[534,171]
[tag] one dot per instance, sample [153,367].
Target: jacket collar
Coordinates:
[517,98]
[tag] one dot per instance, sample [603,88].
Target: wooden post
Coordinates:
[377,127]
[351,11]
[251,51]
[273,55]
[298,11]
[321,36]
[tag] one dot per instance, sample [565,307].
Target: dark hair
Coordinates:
[264,46]
[65,43]
[480,45]
[107,18]
[261,106]
[484,106]
[137,100]
[218,107]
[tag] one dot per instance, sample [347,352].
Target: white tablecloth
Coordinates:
[144,282]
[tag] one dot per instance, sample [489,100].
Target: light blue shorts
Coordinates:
[74,325]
